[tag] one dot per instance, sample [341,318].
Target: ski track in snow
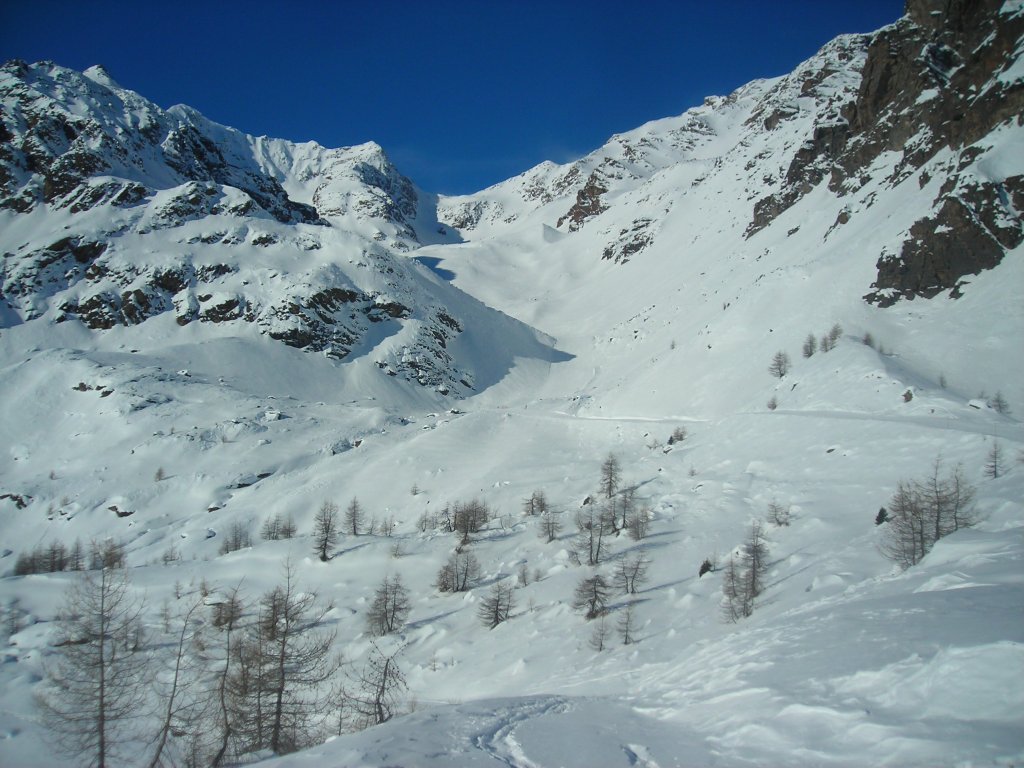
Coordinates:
[500,742]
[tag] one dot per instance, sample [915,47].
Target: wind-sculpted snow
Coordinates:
[534,732]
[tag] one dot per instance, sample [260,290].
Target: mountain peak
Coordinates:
[99,74]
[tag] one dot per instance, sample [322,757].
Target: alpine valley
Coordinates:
[204,334]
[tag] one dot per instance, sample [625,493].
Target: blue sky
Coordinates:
[460,94]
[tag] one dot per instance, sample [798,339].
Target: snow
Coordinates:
[845,661]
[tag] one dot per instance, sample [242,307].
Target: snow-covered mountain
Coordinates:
[118,212]
[201,330]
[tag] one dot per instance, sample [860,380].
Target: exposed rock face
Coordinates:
[630,241]
[54,155]
[970,231]
[588,203]
[937,82]
[933,86]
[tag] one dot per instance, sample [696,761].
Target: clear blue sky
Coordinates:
[460,94]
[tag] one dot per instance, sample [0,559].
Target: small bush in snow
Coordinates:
[778,514]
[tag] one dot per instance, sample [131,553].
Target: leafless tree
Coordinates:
[947,500]
[469,517]
[76,556]
[282,667]
[176,691]
[923,511]
[523,574]
[594,523]
[780,364]
[907,538]
[638,522]
[106,554]
[999,404]
[459,573]
[994,461]
[755,559]
[810,345]
[299,652]
[626,622]
[390,607]
[626,509]
[835,333]
[550,525]
[497,606]
[599,635]
[237,537]
[743,579]
[536,504]
[631,572]
[591,596]
[960,493]
[737,603]
[611,476]
[277,527]
[377,690]
[220,709]
[96,688]
[325,530]
[354,517]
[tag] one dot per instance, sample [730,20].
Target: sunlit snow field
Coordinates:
[846,660]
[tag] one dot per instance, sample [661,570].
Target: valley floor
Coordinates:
[846,660]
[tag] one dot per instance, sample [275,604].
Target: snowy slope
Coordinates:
[602,305]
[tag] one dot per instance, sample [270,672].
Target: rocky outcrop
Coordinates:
[630,241]
[53,155]
[935,81]
[938,81]
[588,203]
[969,232]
